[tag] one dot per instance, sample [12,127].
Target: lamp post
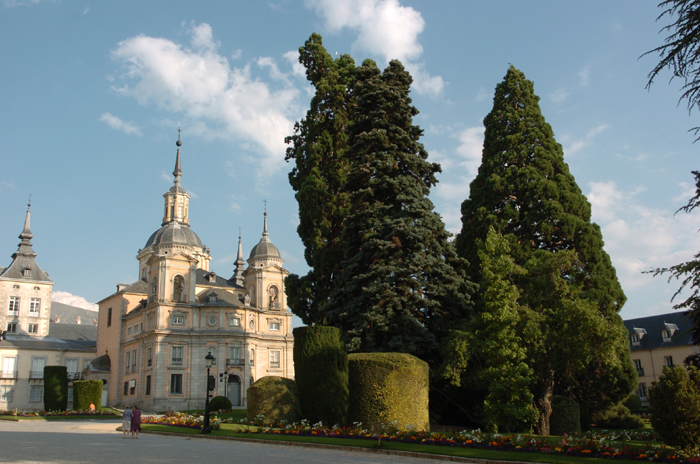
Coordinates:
[209,361]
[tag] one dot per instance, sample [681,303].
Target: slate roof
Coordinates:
[100,363]
[68,314]
[49,343]
[653,325]
[174,233]
[203,279]
[73,332]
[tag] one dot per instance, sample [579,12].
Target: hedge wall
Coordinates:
[275,398]
[55,388]
[388,387]
[86,392]
[566,416]
[321,374]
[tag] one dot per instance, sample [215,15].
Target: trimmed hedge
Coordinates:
[674,404]
[275,398]
[389,387]
[86,392]
[566,416]
[633,403]
[55,388]
[618,417]
[220,402]
[321,374]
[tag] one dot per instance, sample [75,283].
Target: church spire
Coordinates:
[26,234]
[177,201]
[240,263]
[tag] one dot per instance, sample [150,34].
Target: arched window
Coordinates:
[251,292]
[154,289]
[273,297]
[179,289]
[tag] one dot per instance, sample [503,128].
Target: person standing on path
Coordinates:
[135,422]
[126,423]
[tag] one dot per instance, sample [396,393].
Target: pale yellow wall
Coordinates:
[653,362]
[26,291]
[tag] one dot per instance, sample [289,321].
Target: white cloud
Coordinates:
[85,11]
[470,149]
[221,102]
[293,58]
[384,28]
[73,300]
[4,183]
[585,75]
[13,3]
[579,144]
[115,123]
[482,94]
[559,96]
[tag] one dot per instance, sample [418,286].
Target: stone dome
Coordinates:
[176,234]
[265,249]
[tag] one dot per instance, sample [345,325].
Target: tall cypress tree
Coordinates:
[318,149]
[525,191]
[402,283]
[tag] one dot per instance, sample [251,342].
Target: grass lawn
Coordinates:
[116,415]
[230,430]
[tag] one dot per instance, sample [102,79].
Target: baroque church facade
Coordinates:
[154,334]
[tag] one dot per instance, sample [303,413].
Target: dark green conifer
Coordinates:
[318,149]
[402,283]
[525,191]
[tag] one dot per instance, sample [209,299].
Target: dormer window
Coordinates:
[212,298]
[636,336]
[667,331]
[635,339]
[27,271]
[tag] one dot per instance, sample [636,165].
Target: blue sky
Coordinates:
[91,95]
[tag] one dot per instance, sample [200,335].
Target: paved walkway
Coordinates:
[26,442]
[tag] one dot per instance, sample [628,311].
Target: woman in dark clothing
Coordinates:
[135,422]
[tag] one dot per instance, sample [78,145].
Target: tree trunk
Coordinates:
[544,405]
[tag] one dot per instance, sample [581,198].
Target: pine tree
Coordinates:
[525,191]
[402,283]
[318,149]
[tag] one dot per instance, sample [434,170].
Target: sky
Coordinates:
[92,94]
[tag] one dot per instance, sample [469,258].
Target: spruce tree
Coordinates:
[402,283]
[318,149]
[525,191]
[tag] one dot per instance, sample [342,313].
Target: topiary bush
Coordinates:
[321,374]
[87,392]
[674,404]
[55,388]
[275,398]
[633,403]
[566,416]
[388,387]
[220,403]
[618,417]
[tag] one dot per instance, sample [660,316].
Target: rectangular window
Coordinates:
[274,359]
[178,320]
[638,366]
[136,329]
[148,385]
[252,357]
[235,356]
[37,371]
[642,390]
[133,361]
[128,362]
[274,326]
[176,384]
[234,322]
[668,361]
[177,355]
[72,368]
[666,334]
[149,354]
[9,368]
[126,388]
[34,306]
[33,329]
[70,393]
[151,322]
[11,327]
[36,393]
[14,306]
[128,331]
[6,393]
[109,317]
[635,339]
[132,387]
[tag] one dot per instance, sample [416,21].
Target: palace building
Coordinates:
[154,334]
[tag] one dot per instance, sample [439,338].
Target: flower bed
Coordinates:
[179,419]
[603,444]
[71,412]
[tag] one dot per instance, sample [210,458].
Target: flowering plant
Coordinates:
[180,419]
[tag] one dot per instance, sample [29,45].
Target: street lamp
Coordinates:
[209,361]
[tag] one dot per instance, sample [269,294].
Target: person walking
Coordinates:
[126,420]
[135,421]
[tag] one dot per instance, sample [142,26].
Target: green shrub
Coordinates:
[86,392]
[618,417]
[321,374]
[674,404]
[275,398]
[220,402]
[388,387]
[633,403]
[566,416]
[55,388]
